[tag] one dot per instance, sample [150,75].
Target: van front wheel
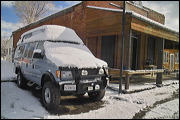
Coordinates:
[96,96]
[50,96]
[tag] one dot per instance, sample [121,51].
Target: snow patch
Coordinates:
[7,73]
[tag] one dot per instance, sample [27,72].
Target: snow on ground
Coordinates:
[7,71]
[165,111]
[17,103]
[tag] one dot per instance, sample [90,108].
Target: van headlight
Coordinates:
[84,72]
[101,71]
[64,74]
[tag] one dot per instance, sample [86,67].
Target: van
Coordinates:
[55,59]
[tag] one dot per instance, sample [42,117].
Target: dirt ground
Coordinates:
[77,105]
[71,104]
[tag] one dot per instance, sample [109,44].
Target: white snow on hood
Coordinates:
[71,55]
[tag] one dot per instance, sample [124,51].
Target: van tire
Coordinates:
[21,82]
[50,96]
[97,96]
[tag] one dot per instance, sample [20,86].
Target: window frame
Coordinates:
[177,58]
[166,57]
[31,48]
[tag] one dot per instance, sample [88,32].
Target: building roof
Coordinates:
[138,16]
[69,9]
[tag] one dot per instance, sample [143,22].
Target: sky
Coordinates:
[10,21]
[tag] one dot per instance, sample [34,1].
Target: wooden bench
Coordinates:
[115,73]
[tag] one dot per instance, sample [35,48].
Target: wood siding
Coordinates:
[144,27]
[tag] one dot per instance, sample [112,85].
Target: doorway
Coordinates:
[108,49]
[151,49]
[135,51]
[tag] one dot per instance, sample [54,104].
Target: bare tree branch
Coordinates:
[30,11]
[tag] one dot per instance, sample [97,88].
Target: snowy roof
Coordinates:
[134,14]
[138,16]
[51,32]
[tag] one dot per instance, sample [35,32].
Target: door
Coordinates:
[171,61]
[151,49]
[108,49]
[39,64]
[135,53]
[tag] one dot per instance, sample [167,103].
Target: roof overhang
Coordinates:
[146,25]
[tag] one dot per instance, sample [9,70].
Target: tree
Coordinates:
[30,11]
[4,41]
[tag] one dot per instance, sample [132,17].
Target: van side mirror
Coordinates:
[37,54]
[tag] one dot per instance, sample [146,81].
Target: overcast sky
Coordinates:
[169,8]
[9,20]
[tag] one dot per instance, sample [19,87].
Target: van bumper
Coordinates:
[83,86]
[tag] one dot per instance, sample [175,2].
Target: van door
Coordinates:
[24,62]
[38,64]
[28,61]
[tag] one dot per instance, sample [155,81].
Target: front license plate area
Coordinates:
[90,88]
[69,87]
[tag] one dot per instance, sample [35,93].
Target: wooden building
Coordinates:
[99,25]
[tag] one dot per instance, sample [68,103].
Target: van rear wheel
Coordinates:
[21,82]
[50,96]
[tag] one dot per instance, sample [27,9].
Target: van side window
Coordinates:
[31,49]
[26,50]
[19,51]
[40,46]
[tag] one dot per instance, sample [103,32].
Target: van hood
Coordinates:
[71,55]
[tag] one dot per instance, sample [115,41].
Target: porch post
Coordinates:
[160,45]
[122,48]
[128,60]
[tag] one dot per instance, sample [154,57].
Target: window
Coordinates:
[27,49]
[33,33]
[166,57]
[27,36]
[31,49]
[9,51]
[19,51]
[40,46]
[177,58]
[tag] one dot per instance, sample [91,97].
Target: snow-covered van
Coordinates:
[56,61]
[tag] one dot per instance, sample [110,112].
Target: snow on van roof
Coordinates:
[50,32]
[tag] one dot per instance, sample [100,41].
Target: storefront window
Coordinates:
[166,57]
[177,58]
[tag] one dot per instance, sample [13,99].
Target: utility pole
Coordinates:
[122,48]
